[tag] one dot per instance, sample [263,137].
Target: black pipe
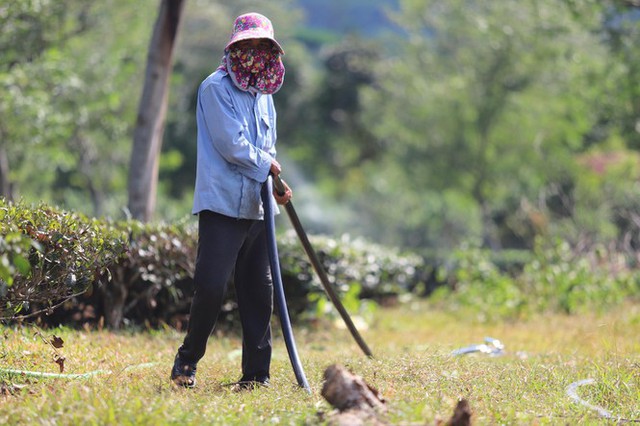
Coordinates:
[281,302]
[317,265]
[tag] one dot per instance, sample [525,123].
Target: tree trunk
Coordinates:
[5,183]
[147,138]
[114,293]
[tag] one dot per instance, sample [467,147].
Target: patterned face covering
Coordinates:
[254,70]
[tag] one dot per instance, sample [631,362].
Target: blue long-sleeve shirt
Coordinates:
[236,145]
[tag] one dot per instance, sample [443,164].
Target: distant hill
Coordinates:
[341,17]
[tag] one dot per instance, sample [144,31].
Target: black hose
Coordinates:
[281,302]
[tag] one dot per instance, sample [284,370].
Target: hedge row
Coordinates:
[555,277]
[65,268]
[47,255]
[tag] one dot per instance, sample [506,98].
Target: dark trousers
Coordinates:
[225,244]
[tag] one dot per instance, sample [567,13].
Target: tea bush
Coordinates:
[357,268]
[476,284]
[131,273]
[152,282]
[557,278]
[561,279]
[127,272]
[49,255]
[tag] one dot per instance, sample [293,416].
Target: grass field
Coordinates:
[413,368]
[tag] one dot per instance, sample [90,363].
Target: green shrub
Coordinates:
[142,273]
[98,268]
[560,279]
[557,279]
[358,269]
[49,255]
[14,255]
[128,272]
[152,282]
[476,284]
[378,269]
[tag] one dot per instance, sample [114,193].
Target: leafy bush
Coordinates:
[133,273]
[357,268]
[49,255]
[556,279]
[563,280]
[476,284]
[139,273]
[153,283]
[14,250]
[153,280]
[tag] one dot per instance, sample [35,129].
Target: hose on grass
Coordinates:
[573,394]
[44,375]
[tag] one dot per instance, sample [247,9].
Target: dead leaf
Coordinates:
[6,390]
[60,361]
[57,342]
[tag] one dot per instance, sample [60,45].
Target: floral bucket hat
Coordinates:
[252,25]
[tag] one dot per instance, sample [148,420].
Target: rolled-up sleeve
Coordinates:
[229,136]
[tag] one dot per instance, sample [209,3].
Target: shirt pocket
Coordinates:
[266,130]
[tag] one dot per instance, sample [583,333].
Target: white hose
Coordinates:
[72,376]
[573,394]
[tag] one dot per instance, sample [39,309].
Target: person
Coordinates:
[236,137]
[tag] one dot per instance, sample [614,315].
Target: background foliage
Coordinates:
[485,120]
[130,273]
[119,273]
[555,278]
[72,73]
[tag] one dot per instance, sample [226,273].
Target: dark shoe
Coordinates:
[252,384]
[183,373]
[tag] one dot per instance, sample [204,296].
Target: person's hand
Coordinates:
[283,199]
[275,168]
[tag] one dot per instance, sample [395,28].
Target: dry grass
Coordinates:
[413,368]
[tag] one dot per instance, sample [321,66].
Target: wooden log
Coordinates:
[461,414]
[357,403]
[345,391]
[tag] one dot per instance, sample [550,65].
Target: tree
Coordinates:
[623,36]
[28,30]
[147,141]
[332,138]
[484,105]
[66,113]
